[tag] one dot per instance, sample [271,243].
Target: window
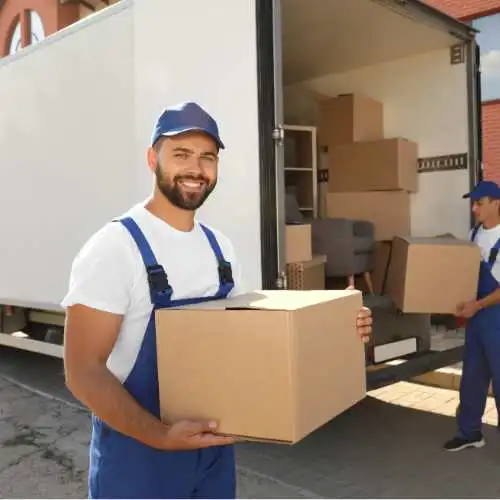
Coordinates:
[15,41]
[34,27]
[37,31]
[489,42]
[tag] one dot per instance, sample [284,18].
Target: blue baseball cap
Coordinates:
[484,189]
[185,117]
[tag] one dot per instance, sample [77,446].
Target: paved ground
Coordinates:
[386,447]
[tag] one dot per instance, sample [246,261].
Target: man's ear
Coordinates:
[152,159]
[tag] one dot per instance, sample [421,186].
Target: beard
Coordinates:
[173,191]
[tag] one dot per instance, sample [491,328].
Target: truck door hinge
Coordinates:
[457,54]
[281,281]
[279,134]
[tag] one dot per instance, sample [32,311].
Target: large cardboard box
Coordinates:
[308,274]
[269,365]
[432,275]
[388,164]
[388,210]
[298,243]
[349,118]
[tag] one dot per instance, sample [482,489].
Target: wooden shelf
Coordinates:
[301,169]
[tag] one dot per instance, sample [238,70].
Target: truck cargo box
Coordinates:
[77,111]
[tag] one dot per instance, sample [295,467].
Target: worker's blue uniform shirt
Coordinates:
[481,363]
[121,467]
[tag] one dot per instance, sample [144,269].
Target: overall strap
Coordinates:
[494,253]
[159,287]
[474,232]
[226,281]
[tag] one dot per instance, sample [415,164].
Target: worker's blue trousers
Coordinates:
[121,467]
[481,364]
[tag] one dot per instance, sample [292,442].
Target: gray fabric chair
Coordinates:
[347,244]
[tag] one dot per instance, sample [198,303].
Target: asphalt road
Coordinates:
[378,449]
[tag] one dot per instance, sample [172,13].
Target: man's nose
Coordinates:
[194,169]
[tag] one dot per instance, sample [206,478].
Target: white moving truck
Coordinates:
[77,111]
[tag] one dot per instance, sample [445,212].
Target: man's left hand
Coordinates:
[364,320]
[364,323]
[467,309]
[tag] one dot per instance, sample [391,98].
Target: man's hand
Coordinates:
[186,435]
[364,323]
[467,309]
[364,320]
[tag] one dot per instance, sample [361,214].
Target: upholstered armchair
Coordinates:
[347,244]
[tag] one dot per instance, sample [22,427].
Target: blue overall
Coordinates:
[122,467]
[481,363]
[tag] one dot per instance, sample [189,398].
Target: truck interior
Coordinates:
[397,54]
[388,53]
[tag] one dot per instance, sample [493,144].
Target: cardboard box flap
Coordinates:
[273,300]
[443,240]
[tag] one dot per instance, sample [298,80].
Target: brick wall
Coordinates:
[491,140]
[466,10]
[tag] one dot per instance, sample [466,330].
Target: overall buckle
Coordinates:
[225,272]
[158,280]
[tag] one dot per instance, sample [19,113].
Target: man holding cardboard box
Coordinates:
[481,363]
[118,281]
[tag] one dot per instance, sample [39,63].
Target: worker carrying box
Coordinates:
[482,335]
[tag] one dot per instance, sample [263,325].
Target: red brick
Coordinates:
[491,140]
[466,9]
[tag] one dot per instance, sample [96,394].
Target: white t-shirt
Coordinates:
[109,274]
[485,240]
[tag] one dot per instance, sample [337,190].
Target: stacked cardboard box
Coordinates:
[305,271]
[370,176]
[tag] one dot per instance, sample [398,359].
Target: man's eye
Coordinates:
[181,155]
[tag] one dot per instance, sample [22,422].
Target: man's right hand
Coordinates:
[187,435]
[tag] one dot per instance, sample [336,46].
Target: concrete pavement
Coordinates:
[44,445]
[389,446]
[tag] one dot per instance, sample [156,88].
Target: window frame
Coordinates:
[475,22]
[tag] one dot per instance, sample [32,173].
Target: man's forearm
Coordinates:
[104,395]
[490,300]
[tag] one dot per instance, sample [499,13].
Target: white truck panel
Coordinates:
[66,143]
[182,53]
[78,110]
[418,107]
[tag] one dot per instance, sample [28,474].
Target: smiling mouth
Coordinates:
[192,185]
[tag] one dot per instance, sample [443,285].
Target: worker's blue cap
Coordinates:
[185,117]
[484,189]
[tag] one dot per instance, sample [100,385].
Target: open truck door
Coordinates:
[271,143]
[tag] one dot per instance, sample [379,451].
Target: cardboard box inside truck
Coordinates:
[298,242]
[374,166]
[432,275]
[307,275]
[269,365]
[388,210]
[350,118]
